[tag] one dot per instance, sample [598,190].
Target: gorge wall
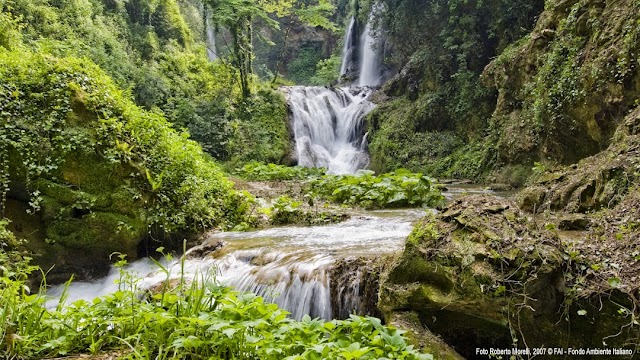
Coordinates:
[484,97]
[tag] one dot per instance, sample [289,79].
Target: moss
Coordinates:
[99,178]
[261,131]
[98,233]
[421,337]
[566,86]
[413,268]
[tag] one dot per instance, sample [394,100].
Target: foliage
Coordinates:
[302,68]
[256,171]
[442,47]
[327,71]
[239,17]
[260,131]
[285,210]
[293,14]
[398,189]
[64,121]
[146,47]
[156,50]
[586,53]
[197,319]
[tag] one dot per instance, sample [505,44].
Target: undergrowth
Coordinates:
[401,188]
[256,171]
[180,318]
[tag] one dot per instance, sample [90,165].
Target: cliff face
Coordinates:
[435,113]
[564,88]
[556,95]
[564,258]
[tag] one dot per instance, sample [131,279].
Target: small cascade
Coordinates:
[211,39]
[370,62]
[327,124]
[320,271]
[295,281]
[349,48]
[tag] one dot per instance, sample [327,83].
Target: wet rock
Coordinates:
[481,273]
[205,249]
[423,338]
[531,199]
[354,287]
[574,222]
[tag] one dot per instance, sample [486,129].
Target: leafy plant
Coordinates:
[285,210]
[183,318]
[256,171]
[401,188]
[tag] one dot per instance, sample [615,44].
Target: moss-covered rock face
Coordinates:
[595,183]
[483,274]
[564,88]
[86,173]
[434,115]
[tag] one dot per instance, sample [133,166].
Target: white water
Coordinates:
[370,63]
[327,125]
[348,48]
[211,40]
[289,265]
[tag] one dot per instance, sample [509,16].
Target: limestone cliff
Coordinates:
[565,87]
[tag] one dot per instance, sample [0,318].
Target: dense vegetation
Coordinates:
[156,51]
[401,188]
[96,170]
[256,171]
[439,104]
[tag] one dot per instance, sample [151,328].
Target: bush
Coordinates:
[260,131]
[100,172]
[398,189]
[256,171]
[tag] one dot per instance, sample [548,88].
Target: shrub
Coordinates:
[74,141]
[398,189]
[255,171]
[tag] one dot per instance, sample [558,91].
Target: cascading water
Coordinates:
[327,125]
[211,39]
[370,74]
[319,271]
[327,122]
[350,46]
[290,266]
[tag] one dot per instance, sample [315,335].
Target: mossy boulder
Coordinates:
[86,173]
[483,274]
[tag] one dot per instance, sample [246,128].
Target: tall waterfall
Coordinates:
[327,125]
[211,39]
[350,46]
[370,72]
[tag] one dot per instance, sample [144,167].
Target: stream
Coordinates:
[292,266]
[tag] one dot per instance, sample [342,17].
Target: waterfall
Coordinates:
[327,126]
[370,63]
[350,44]
[211,39]
[324,271]
[294,281]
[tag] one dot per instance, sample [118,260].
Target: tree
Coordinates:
[316,15]
[237,16]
